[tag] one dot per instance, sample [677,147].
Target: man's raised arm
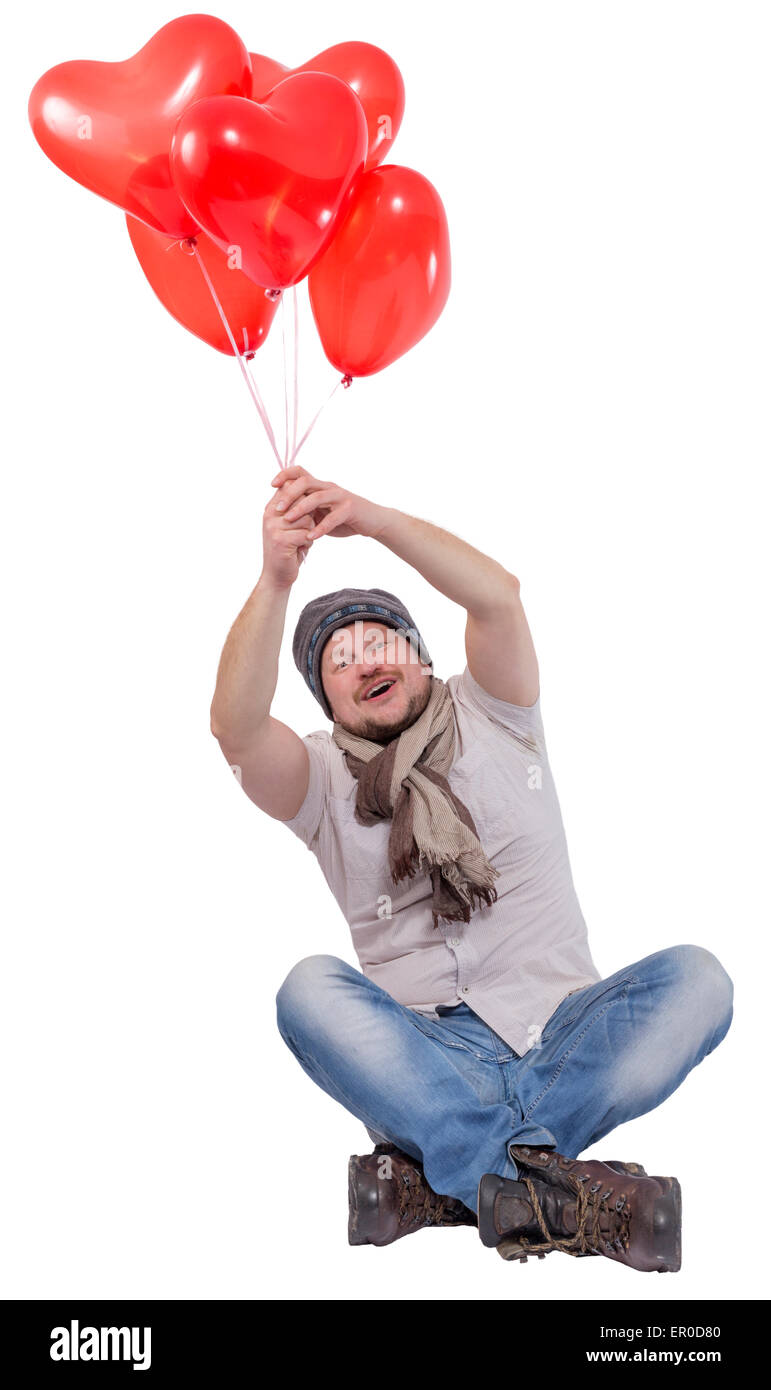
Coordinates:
[499,647]
[272,758]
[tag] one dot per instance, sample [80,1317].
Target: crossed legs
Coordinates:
[609,1053]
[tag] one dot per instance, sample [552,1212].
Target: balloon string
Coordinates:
[290,352]
[248,378]
[286,379]
[296,410]
[258,401]
[344,381]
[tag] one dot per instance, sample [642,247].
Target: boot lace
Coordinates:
[589,1239]
[418,1202]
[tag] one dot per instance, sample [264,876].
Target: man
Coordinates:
[479,1044]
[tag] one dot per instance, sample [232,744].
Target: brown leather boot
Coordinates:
[582,1207]
[512,1247]
[378,1191]
[389,1197]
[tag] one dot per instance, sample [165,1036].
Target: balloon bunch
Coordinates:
[240,178]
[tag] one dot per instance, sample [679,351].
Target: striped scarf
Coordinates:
[405,780]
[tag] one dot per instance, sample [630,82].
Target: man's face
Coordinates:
[374,682]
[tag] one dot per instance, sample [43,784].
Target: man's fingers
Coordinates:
[284,473]
[287,474]
[295,490]
[303,523]
[324,497]
[277,523]
[328,523]
[292,534]
[299,545]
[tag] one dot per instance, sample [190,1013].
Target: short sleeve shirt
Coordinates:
[516,959]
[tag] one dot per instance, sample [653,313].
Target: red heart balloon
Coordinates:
[385,279]
[266,74]
[371,73]
[109,125]
[272,179]
[173,271]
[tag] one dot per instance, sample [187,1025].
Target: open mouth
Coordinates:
[379,691]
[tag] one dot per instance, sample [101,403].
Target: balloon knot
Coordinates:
[188,245]
[346,381]
[273,294]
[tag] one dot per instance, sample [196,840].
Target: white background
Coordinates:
[591,409]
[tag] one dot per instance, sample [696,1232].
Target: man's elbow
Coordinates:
[512,585]
[236,740]
[224,737]
[506,594]
[216,723]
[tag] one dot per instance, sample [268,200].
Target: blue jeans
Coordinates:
[451,1093]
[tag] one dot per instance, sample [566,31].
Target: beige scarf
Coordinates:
[406,780]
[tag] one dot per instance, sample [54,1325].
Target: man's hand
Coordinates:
[284,544]
[333,510]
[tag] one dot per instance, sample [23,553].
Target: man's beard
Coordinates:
[379,732]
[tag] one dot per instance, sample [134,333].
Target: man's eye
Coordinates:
[341,665]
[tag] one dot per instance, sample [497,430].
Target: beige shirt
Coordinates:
[517,959]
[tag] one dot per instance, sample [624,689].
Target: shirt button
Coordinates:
[464,989]
[455,941]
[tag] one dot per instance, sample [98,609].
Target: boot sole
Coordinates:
[364,1219]
[360,1200]
[489,1186]
[667,1227]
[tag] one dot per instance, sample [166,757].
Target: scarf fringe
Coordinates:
[465,893]
[485,898]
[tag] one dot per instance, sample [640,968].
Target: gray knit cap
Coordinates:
[321,618]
